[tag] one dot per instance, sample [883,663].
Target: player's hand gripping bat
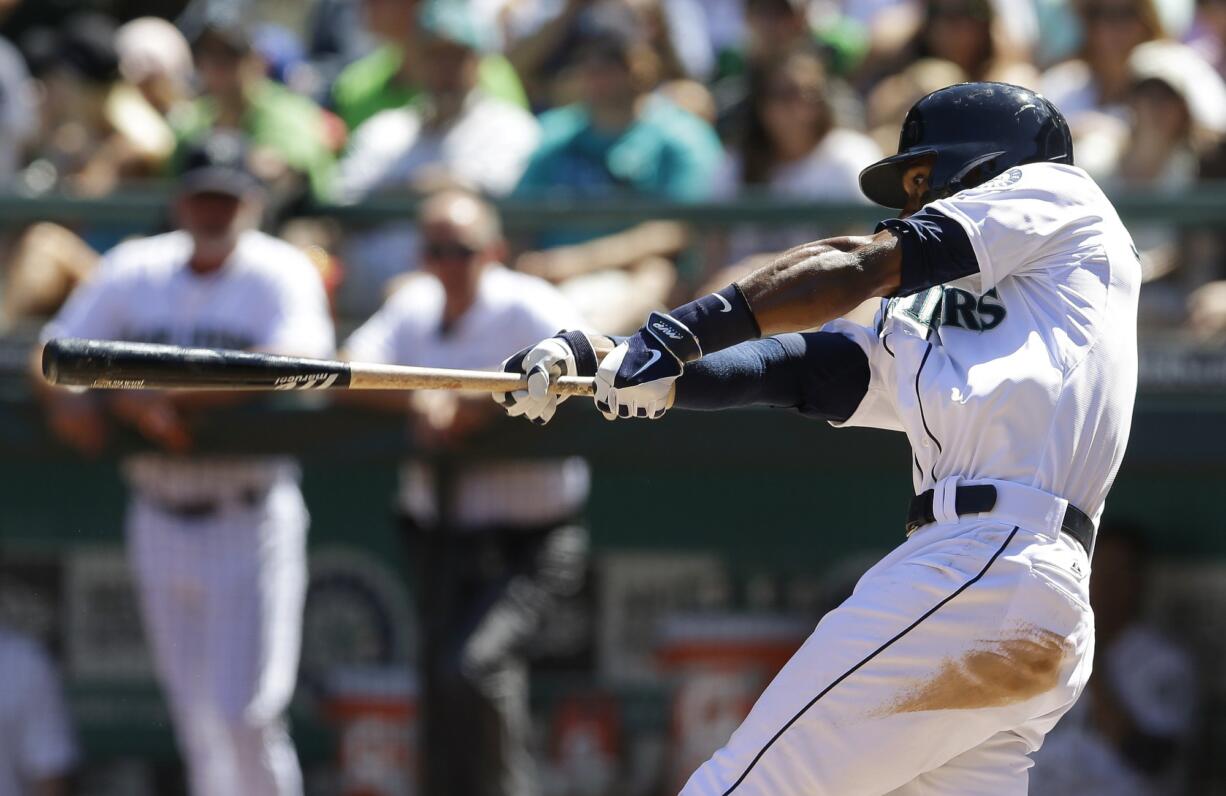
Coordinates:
[101,364]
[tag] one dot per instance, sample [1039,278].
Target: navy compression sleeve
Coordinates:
[823,375]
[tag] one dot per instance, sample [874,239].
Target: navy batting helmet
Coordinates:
[975,131]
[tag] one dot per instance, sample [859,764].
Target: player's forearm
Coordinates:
[812,284]
[821,374]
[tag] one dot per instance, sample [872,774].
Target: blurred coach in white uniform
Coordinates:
[217,544]
[495,544]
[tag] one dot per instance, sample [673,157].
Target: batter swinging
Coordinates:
[1005,348]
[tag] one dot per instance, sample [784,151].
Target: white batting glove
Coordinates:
[637,377]
[544,362]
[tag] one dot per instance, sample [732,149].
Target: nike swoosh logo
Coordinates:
[655,354]
[724,301]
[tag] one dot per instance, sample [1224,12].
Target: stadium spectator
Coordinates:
[96,129]
[42,268]
[156,58]
[37,748]
[791,146]
[1092,89]
[972,35]
[387,78]
[545,39]
[455,132]
[1177,117]
[890,99]
[455,127]
[1129,733]
[289,134]
[620,141]
[495,545]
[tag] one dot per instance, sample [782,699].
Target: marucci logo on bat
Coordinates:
[123,384]
[306,381]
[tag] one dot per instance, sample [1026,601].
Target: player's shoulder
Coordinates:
[267,258]
[1060,183]
[515,288]
[418,296]
[520,295]
[145,257]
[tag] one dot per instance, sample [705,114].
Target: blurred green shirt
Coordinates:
[667,153]
[370,85]
[277,119]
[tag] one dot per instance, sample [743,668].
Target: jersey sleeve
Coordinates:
[876,409]
[96,308]
[299,322]
[46,747]
[1013,220]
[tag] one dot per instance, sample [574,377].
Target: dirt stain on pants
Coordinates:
[997,673]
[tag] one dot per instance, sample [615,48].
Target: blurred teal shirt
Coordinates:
[667,153]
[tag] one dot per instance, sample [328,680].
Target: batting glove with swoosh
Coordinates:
[564,354]
[636,378]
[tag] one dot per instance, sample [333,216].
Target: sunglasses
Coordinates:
[447,252]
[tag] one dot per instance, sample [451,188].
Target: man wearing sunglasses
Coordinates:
[495,545]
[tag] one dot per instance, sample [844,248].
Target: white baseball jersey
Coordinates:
[1027,371]
[36,740]
[511,311]
[268,296]
[975,635]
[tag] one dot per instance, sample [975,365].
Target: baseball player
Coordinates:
[1005,348]
[495,544]
[217,544]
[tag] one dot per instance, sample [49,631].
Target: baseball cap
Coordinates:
[217,163]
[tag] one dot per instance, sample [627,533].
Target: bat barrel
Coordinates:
[102,364]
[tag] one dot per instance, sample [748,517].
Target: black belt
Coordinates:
[976,498]
[195,510]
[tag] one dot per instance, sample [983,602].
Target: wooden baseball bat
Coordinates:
[107,365]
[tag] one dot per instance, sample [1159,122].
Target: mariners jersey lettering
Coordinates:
[1025,371]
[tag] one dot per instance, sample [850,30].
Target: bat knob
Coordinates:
[53,352]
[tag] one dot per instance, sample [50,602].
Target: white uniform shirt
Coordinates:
[268,296]
[1027,371]
[36,739]
[511,311]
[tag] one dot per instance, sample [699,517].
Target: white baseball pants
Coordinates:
[940,674]
[222,602]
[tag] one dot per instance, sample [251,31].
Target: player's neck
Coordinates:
[204,263]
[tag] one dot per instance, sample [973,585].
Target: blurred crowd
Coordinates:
[564,101]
